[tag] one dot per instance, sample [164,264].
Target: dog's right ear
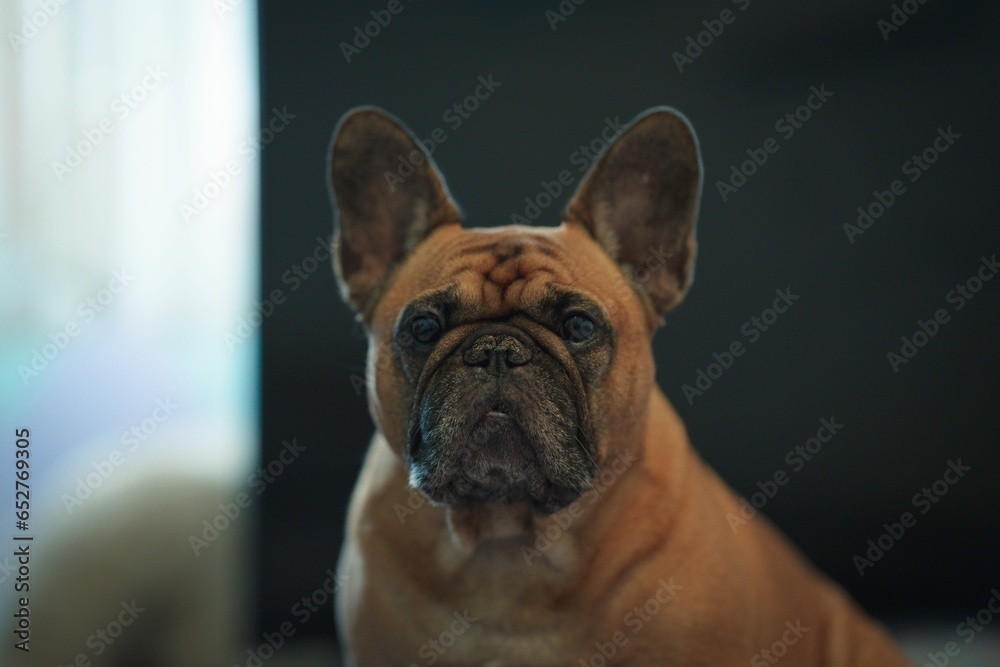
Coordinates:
[387,197]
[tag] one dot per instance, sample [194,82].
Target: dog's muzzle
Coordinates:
[498,420]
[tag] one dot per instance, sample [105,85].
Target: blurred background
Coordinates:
[193,386]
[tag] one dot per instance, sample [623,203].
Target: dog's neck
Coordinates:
[562,542]
[483,522]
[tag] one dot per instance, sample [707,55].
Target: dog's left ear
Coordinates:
[640,202]
[388,196]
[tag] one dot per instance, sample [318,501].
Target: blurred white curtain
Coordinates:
[113,301]
[129,207]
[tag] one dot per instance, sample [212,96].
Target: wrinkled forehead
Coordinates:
[489,274]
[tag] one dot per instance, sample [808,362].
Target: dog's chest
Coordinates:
[500,647]
[485,617]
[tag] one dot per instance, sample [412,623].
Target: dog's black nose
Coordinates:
[497,348]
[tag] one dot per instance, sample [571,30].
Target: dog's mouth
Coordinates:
[505,440]
[497,461]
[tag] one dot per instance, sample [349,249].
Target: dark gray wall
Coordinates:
[784,228]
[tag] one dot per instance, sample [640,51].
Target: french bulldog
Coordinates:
[530,497]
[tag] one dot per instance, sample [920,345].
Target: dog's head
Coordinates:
[505,364]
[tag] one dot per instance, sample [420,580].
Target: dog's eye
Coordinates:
[425,328]
[578,329]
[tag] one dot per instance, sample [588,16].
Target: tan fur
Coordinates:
[660,521]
